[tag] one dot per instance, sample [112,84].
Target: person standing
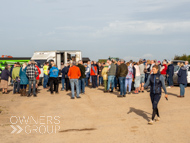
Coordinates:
[74,74]
[87,74]
[16,79]
[5,74]
[129,78]
[182,80]
[100,74]
[32,73]
[187,67]
[54,79]
[38,77]
[23,79]
[163,69]
[82,77]
[105,76]
[142,76]
[93,74]
[156,82]
[137,78]
[170,73]
[122,73]
[64,72]
[45,71]
[111,75]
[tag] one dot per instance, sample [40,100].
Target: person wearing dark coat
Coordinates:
[170,73]
[82,78]
[182,79]
[64,72]
[4,79]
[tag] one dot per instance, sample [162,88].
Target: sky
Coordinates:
[128,29]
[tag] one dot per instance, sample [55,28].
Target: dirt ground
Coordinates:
[95,118]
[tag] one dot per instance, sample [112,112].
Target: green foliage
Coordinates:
[184,57]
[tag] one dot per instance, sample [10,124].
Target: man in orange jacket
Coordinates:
[74,74]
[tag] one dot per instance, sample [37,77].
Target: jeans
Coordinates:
[170,80]
[23,86]
[74,82]
[94,77]
[142,78]
[100,80]
[115,82]
[68,87]
[137,81]
[122,85]
[128,81]
[86,80]
[182,89]
[63,83]
[146,76]
[81,85]
[32,82]
[45,80]
[111,80]
[16,87]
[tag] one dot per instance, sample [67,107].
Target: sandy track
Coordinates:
[98,118]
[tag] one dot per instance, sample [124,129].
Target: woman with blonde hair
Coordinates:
[23,79]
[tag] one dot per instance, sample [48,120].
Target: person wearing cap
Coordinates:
[121,74]
[16,78]
[105,76]
[74,74]
[156,82]
[170,74]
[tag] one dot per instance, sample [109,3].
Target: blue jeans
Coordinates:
[34,86]
[16,87]
[23,86]
[63,83]
[96,78]
[82,85]
[115,82]
[45,80]
[111,80]
[182,89]
[170,80]
[128,81]
[86,80]
[100,80]
[74,82]
[122,85]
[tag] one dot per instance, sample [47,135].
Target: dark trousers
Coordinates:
[54,82]
[155,98]
[94,81]
[68,87]
[170,80]
[16,87]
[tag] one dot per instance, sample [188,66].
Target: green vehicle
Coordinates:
[11,61]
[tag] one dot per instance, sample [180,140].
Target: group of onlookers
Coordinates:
[119,75]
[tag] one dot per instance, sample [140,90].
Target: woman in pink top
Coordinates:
[137,78]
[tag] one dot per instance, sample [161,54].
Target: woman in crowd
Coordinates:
[93,74]
[87,73]
[105,76]
[129,78]
[182,79]
[54,75]
[137,78]
[142,76]
[23,79]
[163,69]
[4,79]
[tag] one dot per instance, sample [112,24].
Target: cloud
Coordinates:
[143,27]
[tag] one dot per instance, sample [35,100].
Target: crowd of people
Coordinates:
[125,77]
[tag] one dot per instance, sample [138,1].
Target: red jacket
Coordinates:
[92,72]
[164,71]
[74,72]
[38,77]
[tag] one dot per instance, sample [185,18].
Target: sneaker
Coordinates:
[119,96]
[129,93]
[143,91]
[78,97]
[157,119]
[35,95]
[169,87]
[29,95]
[111,91]
[150,122]
[72,97]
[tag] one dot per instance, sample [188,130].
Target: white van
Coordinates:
[57,56]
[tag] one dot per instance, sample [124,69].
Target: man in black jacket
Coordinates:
[82,78]
[122,73]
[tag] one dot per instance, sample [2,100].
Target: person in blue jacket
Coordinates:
[182,79]
[170,73]
[53,78]
[23,79]
[156,82]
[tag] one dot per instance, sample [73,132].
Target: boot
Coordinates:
[21,92]
[24,92]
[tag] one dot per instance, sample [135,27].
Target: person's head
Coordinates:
[155,69]
[74,63]
[7,67]
[152,61]
[14,64]
[119,62]
[182,65]
[53,65]
[106,65]
[128,64]
[80,62]
[32,62]
[99,64]
[88,62]
[140,62]
[18,64]
[24,65]
[169,62]
[148,62]
[164,62]
[186,62]
[94,62]
[122,61]
[178,63]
